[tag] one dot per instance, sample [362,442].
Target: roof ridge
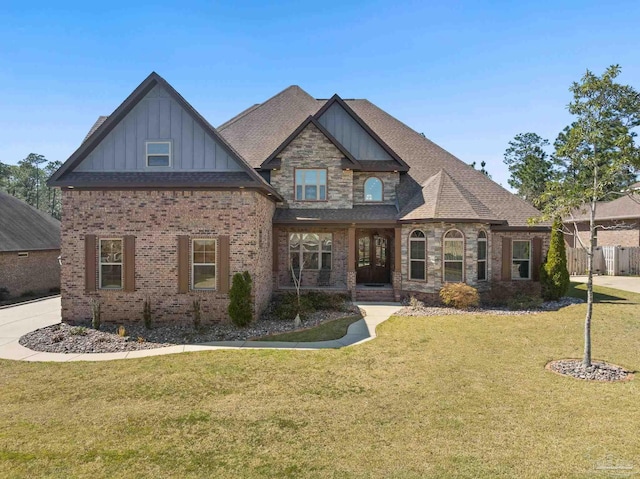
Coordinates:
[258,105]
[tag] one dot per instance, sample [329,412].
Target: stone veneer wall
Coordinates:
[156,218]
[311,149]
[339,252]
[390,182]
[38,272]
[434,233]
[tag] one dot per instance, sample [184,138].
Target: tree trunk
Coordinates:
[586,360]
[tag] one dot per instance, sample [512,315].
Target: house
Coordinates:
[618,223]
[159,204]
[29,248]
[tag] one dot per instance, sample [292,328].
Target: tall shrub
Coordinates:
[554,276]
[240,299]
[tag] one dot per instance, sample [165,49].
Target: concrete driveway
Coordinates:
[20,319]
[624,283]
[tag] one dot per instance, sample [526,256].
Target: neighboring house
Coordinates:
[618,223]
[159,204]
[29,248]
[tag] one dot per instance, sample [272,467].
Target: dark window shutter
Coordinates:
[183,264]
[536,258]
[506,259]
[223,264]
[90,262]
[129,263]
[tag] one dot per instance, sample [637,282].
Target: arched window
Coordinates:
[453,263]
[373,189]
[417,255]
[482,256]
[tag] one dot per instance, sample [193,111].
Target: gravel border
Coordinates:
[599,371]
[423,310]
[82,338]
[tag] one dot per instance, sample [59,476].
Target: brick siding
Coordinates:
[156,218]
[39,271]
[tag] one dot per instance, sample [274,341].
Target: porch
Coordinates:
[361,260]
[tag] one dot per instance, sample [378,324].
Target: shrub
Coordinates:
[524,302]
[554,276]
[95,313]
[27,294]
[240,308]
[146,313]
[122,332]
[284,306]
[78,331]
[197,314]
[4,293]
[459,295]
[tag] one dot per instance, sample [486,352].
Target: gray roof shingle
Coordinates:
[24,228]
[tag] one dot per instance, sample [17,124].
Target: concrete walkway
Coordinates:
[624,283]
[16,321]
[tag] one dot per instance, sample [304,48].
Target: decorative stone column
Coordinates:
[351,262]
[397,263]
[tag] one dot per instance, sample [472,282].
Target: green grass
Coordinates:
[324,332]
[454,396]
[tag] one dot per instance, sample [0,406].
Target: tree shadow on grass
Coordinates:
[579,290]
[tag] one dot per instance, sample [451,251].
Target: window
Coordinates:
[521,260]
[311,185]
[203,264]
[311,250]
[482,256]
[158,153]
[417,255]
[453,256]
[373,189]
[110,270]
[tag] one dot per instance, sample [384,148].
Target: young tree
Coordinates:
[595,155]
[529,165]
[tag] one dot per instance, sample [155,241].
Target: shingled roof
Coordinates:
[24,228]
[625,207]
[259,130]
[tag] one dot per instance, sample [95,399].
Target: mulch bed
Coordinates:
[63,338]
[599,370]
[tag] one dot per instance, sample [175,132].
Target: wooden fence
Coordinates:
[607,260]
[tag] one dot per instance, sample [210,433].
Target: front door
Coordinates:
[373,258]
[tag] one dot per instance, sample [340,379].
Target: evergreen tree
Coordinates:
[240,308]
[554,276]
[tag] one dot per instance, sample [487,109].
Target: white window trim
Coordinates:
[318,184]
[445,261]
[101,264]
[486,258]
[518,278]
[364,190]
[411,259]
[300,250]
[193,264]
[147,155]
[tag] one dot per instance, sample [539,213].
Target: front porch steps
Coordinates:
[383,293]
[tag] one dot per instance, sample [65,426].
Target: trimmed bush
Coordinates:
[146,313]
[524,302]
[284,306]
[554,276]
[459,295]
[96,313]
[240,308]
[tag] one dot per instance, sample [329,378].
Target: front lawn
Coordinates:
[441,396]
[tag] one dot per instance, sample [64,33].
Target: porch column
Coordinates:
[351,261]
[274,258]
[397,263]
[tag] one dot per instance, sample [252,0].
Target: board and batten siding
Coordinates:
[158,117]
[350,134]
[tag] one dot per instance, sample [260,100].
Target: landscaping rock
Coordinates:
[417,308]
[599,371]
[63,338]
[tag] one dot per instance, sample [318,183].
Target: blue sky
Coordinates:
[469,74]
